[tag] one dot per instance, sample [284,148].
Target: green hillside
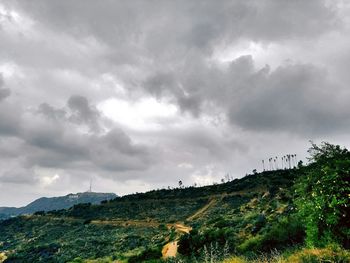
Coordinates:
[259,216]
[54,203]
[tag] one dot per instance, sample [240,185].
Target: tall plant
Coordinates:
[324,196]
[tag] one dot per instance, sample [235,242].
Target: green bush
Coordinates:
[288,232]
[146,255]
[323,196]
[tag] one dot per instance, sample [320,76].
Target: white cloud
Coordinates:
[143,114]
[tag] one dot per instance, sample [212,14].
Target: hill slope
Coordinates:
[56,203]
[271,212]
[138,226]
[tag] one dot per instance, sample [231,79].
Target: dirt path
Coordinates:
[125,223]
[139,223]
[182,228]
[170,250]
[203,209]
[2,257]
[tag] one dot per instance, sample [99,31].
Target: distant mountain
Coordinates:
[56,203]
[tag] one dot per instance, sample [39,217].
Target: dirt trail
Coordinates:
[182,228]
[2,257]
[139,223]
[120,222]
[170,250]
[201,211]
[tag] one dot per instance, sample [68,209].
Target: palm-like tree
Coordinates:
[276,160]
[263,164]
[271,165]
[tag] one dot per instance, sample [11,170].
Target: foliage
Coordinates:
[146,255]
[328,254]
[324,194]
[286,233]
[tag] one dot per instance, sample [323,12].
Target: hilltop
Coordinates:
[56,203]
[274,212]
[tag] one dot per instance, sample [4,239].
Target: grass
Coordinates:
[331,254]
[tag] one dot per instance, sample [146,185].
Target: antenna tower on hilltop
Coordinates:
[90,188]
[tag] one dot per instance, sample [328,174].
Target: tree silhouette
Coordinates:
[263,165]
[276,160]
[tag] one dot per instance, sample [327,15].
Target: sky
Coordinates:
[137,95]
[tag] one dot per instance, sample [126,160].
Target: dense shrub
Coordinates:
[323,196]
[288,232]
[148,254]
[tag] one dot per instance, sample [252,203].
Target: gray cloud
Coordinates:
[298,98]
[9,120]
[294,98]
[52,113]
[18,176]
[232,81]
[4,93]
[198,22]
[82,112]
[50,139]
[58,144]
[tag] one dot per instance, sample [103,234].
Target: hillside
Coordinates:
[261,215]
[56,203]
[132,224]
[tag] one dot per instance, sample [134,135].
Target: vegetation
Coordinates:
[290,215]
[324,195]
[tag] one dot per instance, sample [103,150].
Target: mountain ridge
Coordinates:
[56,203]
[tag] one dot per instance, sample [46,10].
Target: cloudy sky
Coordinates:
[137,95]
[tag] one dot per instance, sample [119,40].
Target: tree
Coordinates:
[263,164]
[324,194]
